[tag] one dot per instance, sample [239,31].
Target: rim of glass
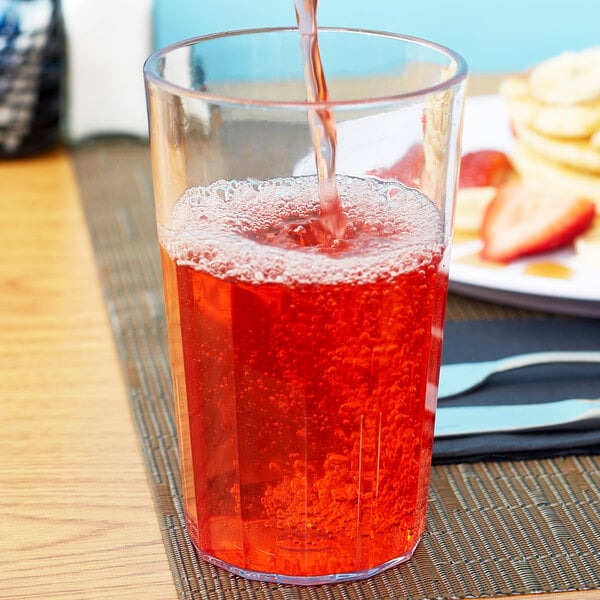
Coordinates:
[152,62]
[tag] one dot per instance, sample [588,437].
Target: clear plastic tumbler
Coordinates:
[305,366]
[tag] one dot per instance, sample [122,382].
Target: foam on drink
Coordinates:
[244,230]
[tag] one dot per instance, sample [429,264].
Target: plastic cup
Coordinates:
[305,372]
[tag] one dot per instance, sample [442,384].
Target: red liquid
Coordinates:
[305,377]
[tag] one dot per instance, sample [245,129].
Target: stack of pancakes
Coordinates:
[555,112]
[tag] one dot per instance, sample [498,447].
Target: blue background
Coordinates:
[492,35]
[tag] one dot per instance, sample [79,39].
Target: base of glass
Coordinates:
[307,579]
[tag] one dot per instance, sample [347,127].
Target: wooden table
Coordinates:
[76,514]
[76,521]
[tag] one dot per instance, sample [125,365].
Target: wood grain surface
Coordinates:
[76,514]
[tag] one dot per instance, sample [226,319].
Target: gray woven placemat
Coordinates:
[493,529]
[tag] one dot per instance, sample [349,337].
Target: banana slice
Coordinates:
[515,86]
[569,122]
[550,176]
[577,154]
[522,110]
[569,78]
[471,203]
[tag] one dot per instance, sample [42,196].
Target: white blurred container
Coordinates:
[107,43]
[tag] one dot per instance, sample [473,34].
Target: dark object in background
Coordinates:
[31,74]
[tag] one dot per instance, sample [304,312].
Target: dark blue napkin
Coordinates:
[487,340]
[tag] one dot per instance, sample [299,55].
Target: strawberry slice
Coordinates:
[406,170]
[484,168]
[520,221]
[477,169]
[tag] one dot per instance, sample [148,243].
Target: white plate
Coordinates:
[486,127]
